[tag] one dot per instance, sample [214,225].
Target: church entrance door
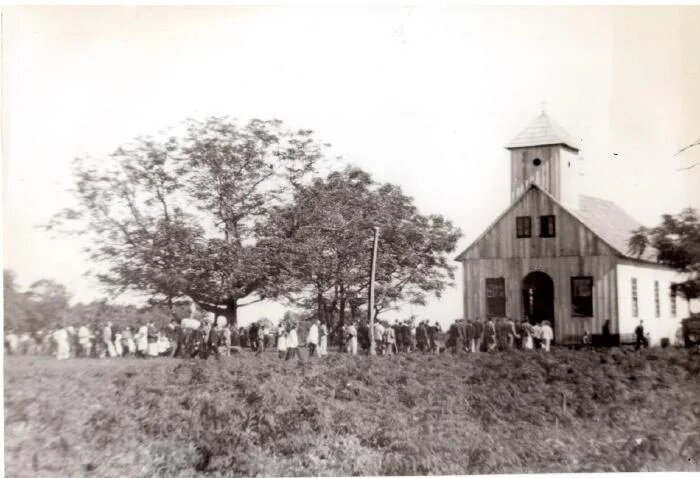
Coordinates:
[538,297]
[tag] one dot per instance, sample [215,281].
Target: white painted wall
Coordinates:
[570,170]
[658,327]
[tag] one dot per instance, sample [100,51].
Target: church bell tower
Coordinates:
[546,155]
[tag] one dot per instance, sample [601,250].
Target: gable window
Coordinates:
[635,301]
[523,226]
[547,226]
[657,304]
[673,300]
[496,297]
[582,296]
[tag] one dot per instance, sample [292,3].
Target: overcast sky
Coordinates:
[422,97]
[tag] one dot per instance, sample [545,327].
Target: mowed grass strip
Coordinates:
[515,412]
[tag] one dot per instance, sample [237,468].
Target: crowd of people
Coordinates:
[471,335]
[190,337]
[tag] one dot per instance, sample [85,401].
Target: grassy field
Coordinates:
[615,410]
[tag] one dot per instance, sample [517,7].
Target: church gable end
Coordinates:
[536,225]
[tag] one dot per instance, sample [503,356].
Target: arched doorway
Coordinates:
[538,297]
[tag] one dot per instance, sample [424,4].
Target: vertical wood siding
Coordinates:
[524,172]
[575,251]
[560,269]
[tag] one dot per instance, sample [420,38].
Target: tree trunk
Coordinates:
[319,309]
[231,313]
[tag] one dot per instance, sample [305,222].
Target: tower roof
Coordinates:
[543,131]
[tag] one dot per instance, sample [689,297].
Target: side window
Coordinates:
[657,302]
[547,226]
[635,301]
[523,226]
[673,300]
[582,296]
[496,297]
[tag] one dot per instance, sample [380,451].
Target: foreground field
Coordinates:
[616,410]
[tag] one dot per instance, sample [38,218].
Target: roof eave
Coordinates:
[510,146]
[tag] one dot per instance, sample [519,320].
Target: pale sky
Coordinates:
[422,97]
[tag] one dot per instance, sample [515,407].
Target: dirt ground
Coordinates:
[511,412]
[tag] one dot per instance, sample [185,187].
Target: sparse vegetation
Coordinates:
[515,412]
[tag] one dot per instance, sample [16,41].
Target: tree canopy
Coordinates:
[677,243]
[227,215]
[179,217]
[325,236]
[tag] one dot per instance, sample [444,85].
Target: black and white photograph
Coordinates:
[324,240]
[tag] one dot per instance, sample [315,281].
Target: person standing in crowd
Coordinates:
[128,338]
[490,335]
[189,332]
[26,341]
[390,338]
[268,336]
[413,331]
[498,325]
[430,337]
[607,338]
[547,335]
[513,335]
[260,340]
[478,335]
[312,339]
[526,328]
[293,343]
[281,341]
[518,334]
[85,341]
[152,339]
[253,336]
[455,338]
[351,337]
[226,346]
[60,336]
[537,335]
[378,338]
[107,339]
[235,341]
[118,347]
[323,338]
[640,338]
[469,336]
[142,341]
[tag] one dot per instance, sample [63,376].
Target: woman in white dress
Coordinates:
[527,335]
[323,333]
[547,335]
[281,342]
[152,337]
[142,340]
[60,336]
[351,332]
[118,347]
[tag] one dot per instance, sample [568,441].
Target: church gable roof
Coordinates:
[543,131]
[604,219]
[611,223]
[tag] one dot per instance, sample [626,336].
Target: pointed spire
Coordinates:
[543,131]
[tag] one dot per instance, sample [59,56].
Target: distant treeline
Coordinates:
[45,304]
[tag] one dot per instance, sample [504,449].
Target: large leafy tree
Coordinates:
[179,217]
[326,235]
[677,243]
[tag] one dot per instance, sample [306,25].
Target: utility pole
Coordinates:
[370,307]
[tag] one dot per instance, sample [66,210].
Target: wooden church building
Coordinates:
[556,255]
